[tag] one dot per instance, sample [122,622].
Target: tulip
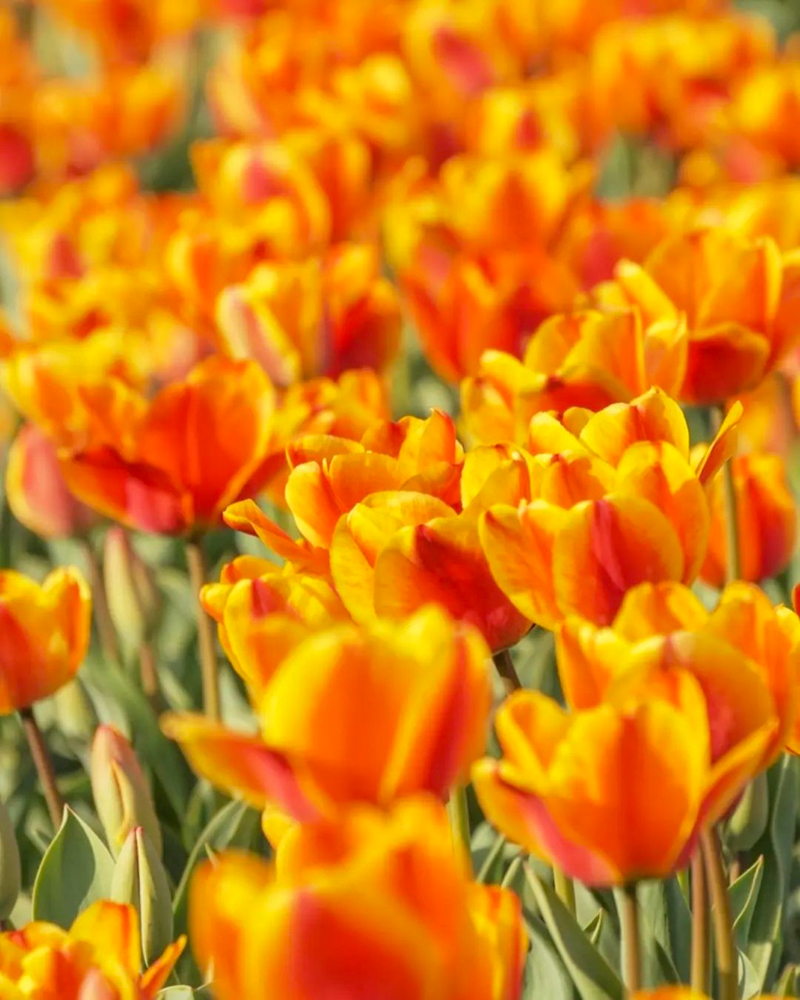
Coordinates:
[140,466]
[766,516]
[376,905]
[10,865]
[44,635]
[140,880]
[121,794]
[577,789]
[739,297]
[426,681]
[36,491]
[614,497]
[98,958]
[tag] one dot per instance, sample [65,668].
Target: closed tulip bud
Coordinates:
[133,598]
[10,867]
[749,819]
[140,880]
[74,713]
[37,494]
[121,793]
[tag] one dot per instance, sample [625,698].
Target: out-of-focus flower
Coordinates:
[44,635]
[584,358]
[315,317]
[741,300]
[121,794]
[98,957]
[426,681]
[36,491]
[764,104]
[766,516]
[745,656]
[613,498]
[377,904]
[172,464]
[577,788]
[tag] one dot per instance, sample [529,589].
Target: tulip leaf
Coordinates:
[594,928]
[665,935]
[749,983]
[744,894]
[764,944]
[593,977]
[76,870]
[545,973]
[176,993]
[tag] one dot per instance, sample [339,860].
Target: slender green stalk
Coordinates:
[700,935]
[631,947]
[102,616]
[494,853]
[513,868]
[565,889]
[458,811]
[724,944]
[44,765]
[196,562]
[507,671]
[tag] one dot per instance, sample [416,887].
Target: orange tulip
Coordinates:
[745,656]
[577,789]
[766,516]
[98,958]
[36,491]
[44,635]
[583,359]
[317,316]
[425,680]
[741,299]
[174,463]
[371,906]
[617,502]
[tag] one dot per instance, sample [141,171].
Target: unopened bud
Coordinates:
[133,598]
[37,493]
[749,818]
[120,790]
[74,713]
[140,879]
[10,867]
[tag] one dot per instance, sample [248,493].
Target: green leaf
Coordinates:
[764,943]
[593,977]
[176,993]
[749,985]
[789,983]
[76,870]
[545,973]
[744,894]
[594,928]
[665,932]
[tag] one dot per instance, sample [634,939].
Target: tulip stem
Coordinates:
[491,857]
[44,765]
[733,555]
[700,939]
[724,944]
[631,956]
[507,671]
[458,810]
[205,636]
[102,616]
[565,889]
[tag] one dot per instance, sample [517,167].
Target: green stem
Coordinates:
[458,811]
[565,889]
[44,765]
[700,937]
[205,635]
[733,556]
[724,944]
[511,874]
[494,853]
[631,948]
[507,671]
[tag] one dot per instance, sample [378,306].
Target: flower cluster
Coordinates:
[443,357]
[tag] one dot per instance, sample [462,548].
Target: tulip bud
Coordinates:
[749,818]
[75,716]
[133,599]
[121,793]
[10,866]
[140,879]
[36,490]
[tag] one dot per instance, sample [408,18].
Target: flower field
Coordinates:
[400,448]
